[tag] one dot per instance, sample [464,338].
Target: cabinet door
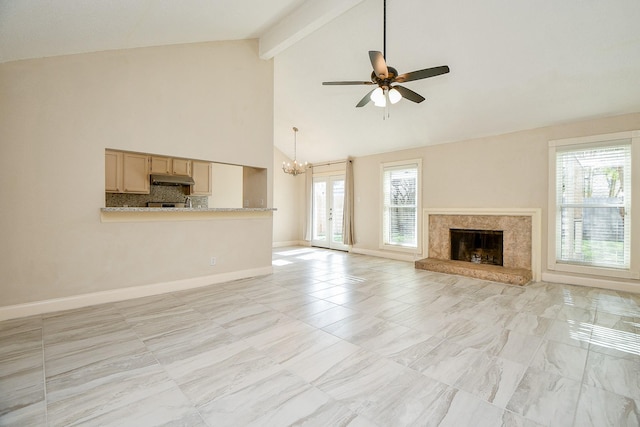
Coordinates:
[113,172]
[181,167]
[136,173]
[202,178]
[161,165]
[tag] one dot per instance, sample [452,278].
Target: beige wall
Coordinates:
[288,199]
[254,187]
[227,186]
[509,171]
[211,101]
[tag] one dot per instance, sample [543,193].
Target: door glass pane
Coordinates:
[338,204]
[319,210]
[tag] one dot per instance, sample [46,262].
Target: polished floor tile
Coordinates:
[599,407]
[492,379]
[331,339]
[562,359]
[410,399]
[617,375]
[22,388]
[546,398]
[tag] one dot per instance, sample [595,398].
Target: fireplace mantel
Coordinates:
[535,231]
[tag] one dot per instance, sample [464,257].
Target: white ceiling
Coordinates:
[41,28]
[514,64]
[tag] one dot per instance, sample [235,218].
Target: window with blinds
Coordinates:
[400,204]
[593,201]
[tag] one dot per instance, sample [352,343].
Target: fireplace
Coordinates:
[476,246]
[501,244]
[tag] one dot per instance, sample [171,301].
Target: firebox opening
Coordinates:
[477,246]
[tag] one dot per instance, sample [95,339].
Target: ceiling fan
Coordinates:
[386,77]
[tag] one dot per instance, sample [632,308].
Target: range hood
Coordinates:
[157,179]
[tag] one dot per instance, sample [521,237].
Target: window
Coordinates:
[590,204]
[400,204]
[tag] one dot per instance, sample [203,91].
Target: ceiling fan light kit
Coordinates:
[386,78]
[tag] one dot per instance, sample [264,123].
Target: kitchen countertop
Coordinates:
[182,214]
[138,209]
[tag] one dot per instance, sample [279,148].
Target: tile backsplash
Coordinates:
[158,193]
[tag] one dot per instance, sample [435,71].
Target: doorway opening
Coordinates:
[328,208]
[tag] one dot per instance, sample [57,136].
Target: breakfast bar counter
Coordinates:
[142,214]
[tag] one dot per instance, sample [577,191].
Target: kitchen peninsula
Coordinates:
[141,214]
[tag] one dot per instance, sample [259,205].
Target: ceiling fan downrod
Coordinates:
[384,29]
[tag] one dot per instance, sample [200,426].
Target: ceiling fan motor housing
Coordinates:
[385,82]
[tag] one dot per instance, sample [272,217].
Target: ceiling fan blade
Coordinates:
[378,63]
[409,94]
[365,100]
[422,74]
[346,83]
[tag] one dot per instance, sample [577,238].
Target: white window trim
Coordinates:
[382,245]
[585,143]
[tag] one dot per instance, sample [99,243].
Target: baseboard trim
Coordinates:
[613,285]
[383,254]
[290,243]
[84,300]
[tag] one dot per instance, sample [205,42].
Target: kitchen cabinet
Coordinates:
[113,179]
[136,173]
[202,178]
[126,172]
[181,167]
[170,166]
[161,165]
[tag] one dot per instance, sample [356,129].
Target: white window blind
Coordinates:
[400,205]
[593,201]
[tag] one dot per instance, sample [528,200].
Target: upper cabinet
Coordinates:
[126,172]
[201,177]
[181,167]
[161,165]
[170,166]
[136,173]
[113,161]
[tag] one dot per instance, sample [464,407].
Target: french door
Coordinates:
[328,202]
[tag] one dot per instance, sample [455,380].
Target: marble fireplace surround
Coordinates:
[521,245]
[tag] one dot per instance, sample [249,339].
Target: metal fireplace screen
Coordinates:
[477,246]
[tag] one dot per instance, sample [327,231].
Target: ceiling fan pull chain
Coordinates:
[386,103]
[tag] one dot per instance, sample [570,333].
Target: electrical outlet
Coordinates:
[212,261]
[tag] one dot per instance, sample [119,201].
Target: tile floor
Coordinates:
[331,339]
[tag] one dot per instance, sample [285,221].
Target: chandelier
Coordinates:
[295,168]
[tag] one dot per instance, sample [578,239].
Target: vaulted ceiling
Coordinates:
[514,64]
